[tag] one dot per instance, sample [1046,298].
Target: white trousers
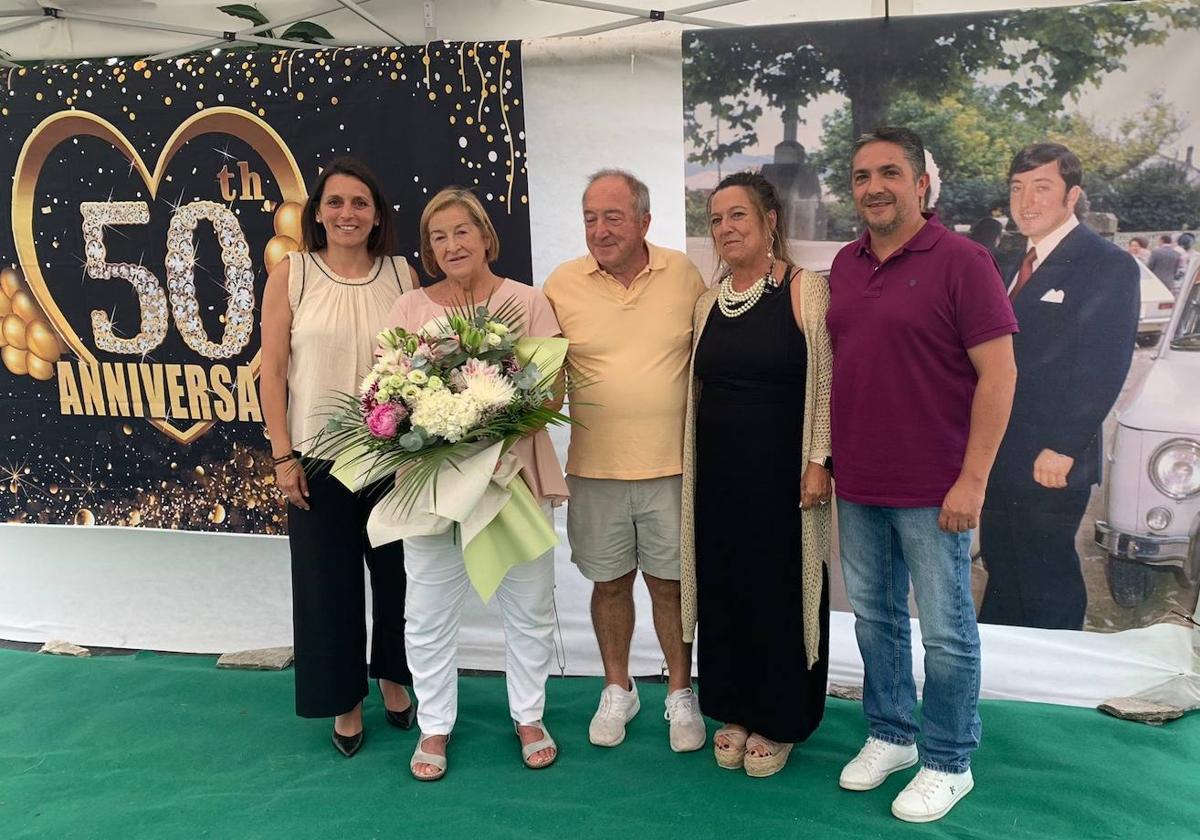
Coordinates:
[437,585]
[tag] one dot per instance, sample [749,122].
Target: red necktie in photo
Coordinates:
[1023,274]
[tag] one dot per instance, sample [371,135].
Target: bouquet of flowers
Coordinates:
[439,410]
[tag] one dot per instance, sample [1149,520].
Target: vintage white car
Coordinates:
[1152,505]
[1158,303]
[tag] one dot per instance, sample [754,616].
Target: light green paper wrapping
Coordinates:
[519,533]
[350,469]
[547,353]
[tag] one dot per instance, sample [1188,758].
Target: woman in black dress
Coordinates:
[757,486]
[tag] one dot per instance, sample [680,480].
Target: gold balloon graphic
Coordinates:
[277,249]
[85,517]
[42,341]
[217,514]
[14,331]
[24,305]
[11,281]
[14,360]
[24,327]
[39,368]
[287,220]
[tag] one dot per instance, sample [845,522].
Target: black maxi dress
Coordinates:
[752,667]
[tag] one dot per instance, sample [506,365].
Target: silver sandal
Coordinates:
[419,756]
[545,742]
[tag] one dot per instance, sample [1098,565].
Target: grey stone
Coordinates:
[1104,224]
[1135,708]
[846,692]
[58,647]
[263,659]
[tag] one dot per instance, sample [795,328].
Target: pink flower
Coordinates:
[478,367]
[384,420]
[444,347]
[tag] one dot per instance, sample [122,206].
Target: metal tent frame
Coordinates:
[16,19]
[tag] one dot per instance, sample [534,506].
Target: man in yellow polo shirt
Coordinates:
[626,309]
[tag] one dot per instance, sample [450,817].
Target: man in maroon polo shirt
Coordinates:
[923,378]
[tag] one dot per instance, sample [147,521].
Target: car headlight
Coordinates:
[1158,519]
[1175,468]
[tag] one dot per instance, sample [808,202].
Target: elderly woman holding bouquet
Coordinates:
[755,539]
[458,245]
[321,311]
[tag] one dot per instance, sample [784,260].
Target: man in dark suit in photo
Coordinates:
[1076,298]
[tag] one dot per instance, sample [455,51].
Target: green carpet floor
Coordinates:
[169,747]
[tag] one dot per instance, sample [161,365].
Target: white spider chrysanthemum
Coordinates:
[446,415]
[491,391]
[371,378]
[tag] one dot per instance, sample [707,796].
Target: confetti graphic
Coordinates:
[150,200]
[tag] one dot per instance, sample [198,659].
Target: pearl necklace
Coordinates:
[733,303]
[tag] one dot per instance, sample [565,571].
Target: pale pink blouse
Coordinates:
[539,463]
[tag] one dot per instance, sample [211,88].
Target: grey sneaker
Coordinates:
[687,727]
[617,708]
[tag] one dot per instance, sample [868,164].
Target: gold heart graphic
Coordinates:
[64,125]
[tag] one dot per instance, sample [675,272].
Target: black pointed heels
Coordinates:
[347,745]
[400,720]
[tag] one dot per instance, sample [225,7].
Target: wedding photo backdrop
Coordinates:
[1114,83]
[150,199]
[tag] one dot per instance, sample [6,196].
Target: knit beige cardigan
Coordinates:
[814,522]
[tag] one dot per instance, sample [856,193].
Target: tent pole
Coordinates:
[21,24]
[254,30]
[649,14]
[623,24]
[371,19]
[65,14]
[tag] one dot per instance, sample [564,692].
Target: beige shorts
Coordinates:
[616,526]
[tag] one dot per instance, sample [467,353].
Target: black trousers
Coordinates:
[1028,544]
[328,544]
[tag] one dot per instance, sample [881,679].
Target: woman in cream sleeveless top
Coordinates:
[322,310]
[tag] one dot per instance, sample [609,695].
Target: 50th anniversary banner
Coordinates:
[149,201]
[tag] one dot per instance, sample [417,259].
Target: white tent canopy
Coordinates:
[78,29]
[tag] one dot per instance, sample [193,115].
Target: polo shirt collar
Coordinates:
[658,260]
[922,240]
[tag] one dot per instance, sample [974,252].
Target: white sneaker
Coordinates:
[875,762]
[617,708]
[687,727]
[931,794]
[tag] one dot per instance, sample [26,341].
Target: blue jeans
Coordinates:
[881,548]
